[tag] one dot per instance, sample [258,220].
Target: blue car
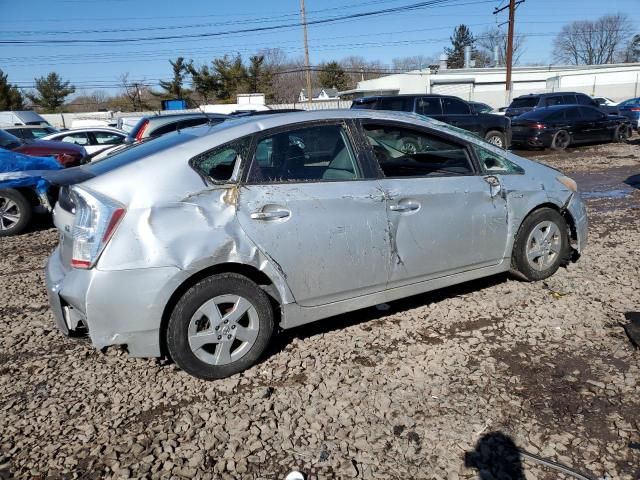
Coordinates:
[23,190]
[631,109]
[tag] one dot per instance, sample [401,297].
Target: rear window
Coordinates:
[364,104]
[398,104]
[138,151]
[524,102]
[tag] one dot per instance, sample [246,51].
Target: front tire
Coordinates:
[541,245]
[494,137]
[221,326]
[15,212]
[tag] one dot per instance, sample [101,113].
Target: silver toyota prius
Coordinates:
[199,244]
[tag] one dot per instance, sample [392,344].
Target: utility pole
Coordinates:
[509,57]
[306,52]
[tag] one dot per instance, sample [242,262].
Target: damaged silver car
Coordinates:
[200,244]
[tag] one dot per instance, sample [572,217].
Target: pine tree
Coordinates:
[10,97]
[332,75]
[50,92]
[174,88]
[462,37]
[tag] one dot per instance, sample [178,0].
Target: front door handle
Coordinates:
[270,215]
[405,207]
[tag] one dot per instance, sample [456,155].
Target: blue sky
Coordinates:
[91,66]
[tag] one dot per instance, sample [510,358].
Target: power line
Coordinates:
[385,11]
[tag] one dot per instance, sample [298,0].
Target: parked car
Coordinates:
[68,155]
[29,132]
[22,117]
[526,103]
[631,109]
[494,129]
[605,101]
[22,189]
[93,139]
[291,219]
[156,125]
[563,125]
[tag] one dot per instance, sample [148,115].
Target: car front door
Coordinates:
[444,216]
[458,113]
[597,126]
[578,126]
[317,212]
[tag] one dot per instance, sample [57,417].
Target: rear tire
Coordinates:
[494,137]
[221,326]
[15,212]
[561,140]
[541,245]
[622,134]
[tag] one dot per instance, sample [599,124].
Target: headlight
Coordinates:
[570,183]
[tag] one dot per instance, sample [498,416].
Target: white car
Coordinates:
[92,139]
[605,101]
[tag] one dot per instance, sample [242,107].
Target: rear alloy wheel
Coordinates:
[15,212]
[496,138]
[220,326]
[542,245]
[622,133]
[561,140]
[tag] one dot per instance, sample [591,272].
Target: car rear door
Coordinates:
[596,126]
[458,113]
[444,216]
[317,212]
[578,127]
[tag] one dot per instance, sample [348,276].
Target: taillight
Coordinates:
[97,218]
[539,126]
[635,109]
[140,133]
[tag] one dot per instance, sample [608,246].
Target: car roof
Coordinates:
[544,94]
[6,127]
[90,129]
[179,116]
[404,95]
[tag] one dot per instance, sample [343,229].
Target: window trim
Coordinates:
[348,127]
[475,164]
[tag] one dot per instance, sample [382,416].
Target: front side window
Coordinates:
[219,163]
[555,100]
[304,154]
[403,152]
[496,164]
[569,100]
[453,106]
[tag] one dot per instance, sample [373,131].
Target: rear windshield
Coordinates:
[526,102]
[138,151]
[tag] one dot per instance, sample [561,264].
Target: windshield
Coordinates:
[8,141]
[524,102]
[137,151]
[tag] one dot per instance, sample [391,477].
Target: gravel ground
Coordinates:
[435,387]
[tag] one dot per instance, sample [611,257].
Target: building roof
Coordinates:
[330,92]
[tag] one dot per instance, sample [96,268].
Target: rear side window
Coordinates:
[453,106]
[219,163]
[584,100]
[77,138]
[401,104]
[554,100]
[524,102]
[569,100]
[304,154]
[496,164]
[107,138]
[403,152]
[429,106]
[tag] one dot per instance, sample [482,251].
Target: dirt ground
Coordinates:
[443,385]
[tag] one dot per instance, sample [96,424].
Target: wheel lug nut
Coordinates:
[229,337]
[233,326]
[226,321]
[219,337]
[217,328]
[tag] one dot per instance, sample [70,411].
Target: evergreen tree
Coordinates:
[332,75]
[50,92]
[462,37]
[10,97]
[174,88]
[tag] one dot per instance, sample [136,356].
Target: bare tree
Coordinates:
[416,62]
[132,91]
[494,37]
[596,42]
[359,68]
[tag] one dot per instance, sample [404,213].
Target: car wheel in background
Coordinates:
[15,212]
[541,245]
[220,326]
[622,133]
[561,140]
[496,138]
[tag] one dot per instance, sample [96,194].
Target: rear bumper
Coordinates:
[122,307]
[530,139]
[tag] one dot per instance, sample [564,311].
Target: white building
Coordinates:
[319,94]
[487,85]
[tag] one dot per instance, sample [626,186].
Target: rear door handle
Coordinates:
[270,215]
[405,207]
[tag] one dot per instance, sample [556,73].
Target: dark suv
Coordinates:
[495,129]
[526,103]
